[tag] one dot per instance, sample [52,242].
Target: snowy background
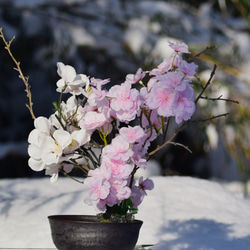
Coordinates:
[107,42]
[180,213]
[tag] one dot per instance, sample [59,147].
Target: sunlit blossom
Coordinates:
[119,123]
[70,82]
[134,78]
[179,47]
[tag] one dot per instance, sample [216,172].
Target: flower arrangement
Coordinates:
[106,133]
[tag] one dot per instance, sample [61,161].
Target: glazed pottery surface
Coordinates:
[75,232]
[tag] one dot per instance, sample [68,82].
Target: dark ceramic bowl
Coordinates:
[75,232]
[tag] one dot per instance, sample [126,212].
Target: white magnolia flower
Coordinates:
[79,138]
[70,82]
[42,129]
[42,125]
[53,170]
[52,147]
[71,113]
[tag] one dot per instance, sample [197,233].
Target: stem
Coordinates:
[168,141]
[67,175]
[166,130]
[87,156]
[132,175]
[80,166]
[149,123]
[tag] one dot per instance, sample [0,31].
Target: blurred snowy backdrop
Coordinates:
[110,38]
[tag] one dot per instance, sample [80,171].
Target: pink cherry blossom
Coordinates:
[162,98]
[162,68]
[120,97]
[124,102]
[118,168]
[175,80]
[99,188]
[96,97]
[152,119]
[138,157]
[139,192]
[93,120]
[175,59]
[185,105]
[98,83]
[179,47]
[144,185]
[188,68]
[121,190]
[132,134]
[104,170]
[118,149]
[134,78]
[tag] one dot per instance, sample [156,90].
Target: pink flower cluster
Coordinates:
[111,183]
[93,110]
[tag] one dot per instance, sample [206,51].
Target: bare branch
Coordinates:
[168,141]
[202,52]
[207,84]
[218,99]
[209,118]
[182,145]
[18,68]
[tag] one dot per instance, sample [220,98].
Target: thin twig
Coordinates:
[202,52]
[18,68]
[218,99]
[207,84]
[209,118]
[71,177]
[168,141]
[182,145]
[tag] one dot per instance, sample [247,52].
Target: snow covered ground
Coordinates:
[180,213]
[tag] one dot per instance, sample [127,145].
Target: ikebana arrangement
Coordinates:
[107,133]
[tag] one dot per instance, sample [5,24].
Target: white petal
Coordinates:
[69,73]
[62,137]
[50,158]
[36,165]
[60,68]
[47,143]
[81,136]
[34,152]
[54,178]
[53,171]
[33,137]
[42,124]
[60,84]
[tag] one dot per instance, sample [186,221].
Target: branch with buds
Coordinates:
[17,67]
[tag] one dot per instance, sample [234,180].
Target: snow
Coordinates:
[180,213]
